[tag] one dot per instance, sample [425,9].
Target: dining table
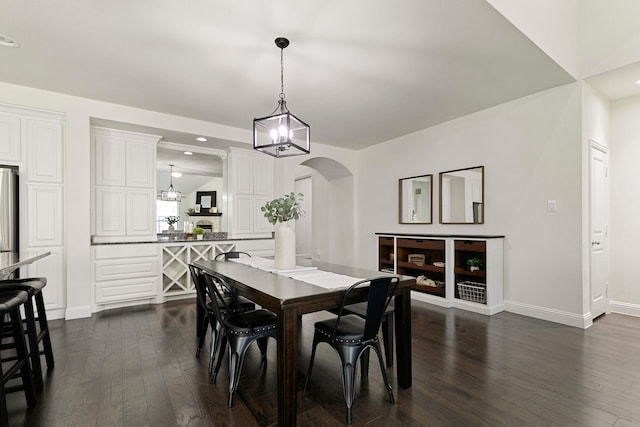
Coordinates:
[11,261]
[289,298]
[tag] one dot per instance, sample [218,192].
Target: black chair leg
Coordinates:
[34,348]
[387,337]
[313,356]
[376,348]
[348,358]
[44,326]
[21,351]
[223,348]
[237,349]
[203,333]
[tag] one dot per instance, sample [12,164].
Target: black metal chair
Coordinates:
[209,318]
[10,302]
[231,255]
[37,328]
[239,331]
[360,309]
[353,336]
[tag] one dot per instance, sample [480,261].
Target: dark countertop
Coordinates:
[11,261]
[443,236]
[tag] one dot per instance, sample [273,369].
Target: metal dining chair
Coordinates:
[353,336]
[239,330]
[209,319]
[231,255]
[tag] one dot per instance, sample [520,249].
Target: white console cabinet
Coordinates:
[124,180]
[463,271]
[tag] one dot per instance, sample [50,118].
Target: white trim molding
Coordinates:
[544,313]
[625,308]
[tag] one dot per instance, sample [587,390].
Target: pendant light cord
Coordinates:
[282,73]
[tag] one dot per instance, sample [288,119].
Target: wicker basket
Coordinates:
[472,291]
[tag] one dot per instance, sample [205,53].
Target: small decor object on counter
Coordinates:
[199,232]
[417,259]
[171,220]
[197,209]
[282,210]
[474,264]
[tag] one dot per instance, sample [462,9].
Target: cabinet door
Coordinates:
[243,174]
[110,211]
[263,177]
[44,150]
[51,267]
[260,225]
[9,137]
[109,161]
[244,209]
[141,213]
[44,211]
[141,164]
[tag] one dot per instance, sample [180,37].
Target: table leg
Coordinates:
[402,306]
[199,318]
[287,366]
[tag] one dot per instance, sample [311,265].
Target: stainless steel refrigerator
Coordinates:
[8,208]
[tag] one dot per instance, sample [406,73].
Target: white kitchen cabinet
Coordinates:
[9,137]
[127,273]
[44,215]
[249,186]
[44,154]
[124,182]
[33,140]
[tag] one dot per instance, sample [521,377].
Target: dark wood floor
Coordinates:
[136,367]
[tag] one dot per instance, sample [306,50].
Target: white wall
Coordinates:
[531,150]
[625,205]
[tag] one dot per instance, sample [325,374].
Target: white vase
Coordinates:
[199,236]
[285,255]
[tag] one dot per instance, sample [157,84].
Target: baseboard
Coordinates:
[544,313]
[77,312]
[625,308]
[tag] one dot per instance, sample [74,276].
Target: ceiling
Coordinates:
[359,72]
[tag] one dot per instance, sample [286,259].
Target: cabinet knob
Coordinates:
[594,243]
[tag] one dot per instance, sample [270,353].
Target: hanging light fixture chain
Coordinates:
[281,73]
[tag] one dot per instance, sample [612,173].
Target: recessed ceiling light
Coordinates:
[188,153]
[201,139]
[8,41]
[176,174]
[638,82]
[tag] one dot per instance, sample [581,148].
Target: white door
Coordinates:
[599,230]
[303,225]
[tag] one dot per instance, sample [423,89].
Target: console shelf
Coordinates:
[468,270]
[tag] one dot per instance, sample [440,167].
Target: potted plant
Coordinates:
[171,220]
[474,264]
[281,211]
[199,232]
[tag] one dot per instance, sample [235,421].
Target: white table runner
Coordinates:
[312,275]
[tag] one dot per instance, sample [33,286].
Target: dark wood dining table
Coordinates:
[289,299]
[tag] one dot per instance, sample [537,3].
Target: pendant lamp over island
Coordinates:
[281,134]
[170,194]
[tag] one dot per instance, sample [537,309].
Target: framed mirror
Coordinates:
[462,196]
[415,199]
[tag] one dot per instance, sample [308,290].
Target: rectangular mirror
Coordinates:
[462,196]
[415,199]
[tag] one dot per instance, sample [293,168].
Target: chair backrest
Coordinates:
[380,292]
[198,282]
[216,287]
[232,254]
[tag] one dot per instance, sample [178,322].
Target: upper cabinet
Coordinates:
[44,139]
[249,185]
[9,137]
[124,182]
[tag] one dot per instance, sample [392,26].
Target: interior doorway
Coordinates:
[599,229]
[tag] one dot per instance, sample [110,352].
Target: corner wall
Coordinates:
[531,150]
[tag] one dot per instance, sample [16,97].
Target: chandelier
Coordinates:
[170,194]
[281,134]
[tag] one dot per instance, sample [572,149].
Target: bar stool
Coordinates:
[10,302]
[37,329]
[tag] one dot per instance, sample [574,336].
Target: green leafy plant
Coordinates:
[172,219]
[474,262]
[283,209]
[198,231]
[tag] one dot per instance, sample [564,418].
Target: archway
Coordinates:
[332,210]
